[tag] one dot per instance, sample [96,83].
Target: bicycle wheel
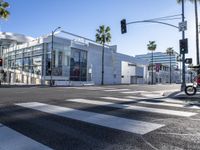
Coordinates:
[190,90]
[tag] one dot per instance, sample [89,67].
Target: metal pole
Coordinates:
[52,59]
[197,34]
[183,55]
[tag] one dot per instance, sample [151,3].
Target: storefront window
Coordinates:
[37,70]
[37,65]
[78,65]
[18,63]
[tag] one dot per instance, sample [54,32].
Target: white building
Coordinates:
[70,62]
[131,73]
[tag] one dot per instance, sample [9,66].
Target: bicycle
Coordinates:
[195,87]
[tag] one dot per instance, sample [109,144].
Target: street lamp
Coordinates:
[52,35]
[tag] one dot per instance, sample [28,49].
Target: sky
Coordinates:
[82,17]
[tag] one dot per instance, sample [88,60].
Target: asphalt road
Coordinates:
[122,117]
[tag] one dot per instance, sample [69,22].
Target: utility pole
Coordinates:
[197,32]
[183,54]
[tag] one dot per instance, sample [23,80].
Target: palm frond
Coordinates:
[5,4]
[152,46]
[4,14]
[103,35]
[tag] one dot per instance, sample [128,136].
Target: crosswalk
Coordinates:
[133,126]
[137,108]
[122,90]
[12,139]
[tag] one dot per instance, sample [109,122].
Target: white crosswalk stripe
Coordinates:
[115,90]
[119,99]
[169,100]
[137,108]
[12,140]
[129,125]
[142,100]
[94,88]
[134,92]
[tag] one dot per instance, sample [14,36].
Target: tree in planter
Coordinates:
[152,47]
[103,36]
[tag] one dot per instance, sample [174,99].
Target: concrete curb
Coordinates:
[183,96]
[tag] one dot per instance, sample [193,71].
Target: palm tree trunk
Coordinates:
[197,34]
[152,69]
[102,76]
[170,71]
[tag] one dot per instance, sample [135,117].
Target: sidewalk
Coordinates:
[183,96]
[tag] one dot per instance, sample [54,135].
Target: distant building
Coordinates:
[159,58]
[161,68]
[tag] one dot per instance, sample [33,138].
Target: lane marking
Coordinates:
[12,140]
[129,125]
[137,108]
[134,92]
[116,90]
[118,99]
[145,101]
[169,100]
[93,88]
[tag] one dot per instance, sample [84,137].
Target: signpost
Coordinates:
[182,26]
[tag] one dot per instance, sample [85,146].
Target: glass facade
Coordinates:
[78,65]
[39,59]
[60,58]
[27,59]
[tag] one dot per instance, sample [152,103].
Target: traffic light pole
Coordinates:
[156,20]
[183,55]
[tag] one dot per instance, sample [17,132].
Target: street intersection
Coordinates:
[98,117]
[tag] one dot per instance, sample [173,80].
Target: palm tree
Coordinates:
[196,24]
[4,13]
[170,52]
[152,47]
[103,36]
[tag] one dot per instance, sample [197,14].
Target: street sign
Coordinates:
[188,60]
[182,26]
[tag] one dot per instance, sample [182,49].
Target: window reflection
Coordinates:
[78,65]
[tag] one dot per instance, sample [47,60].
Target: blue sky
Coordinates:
[38,17]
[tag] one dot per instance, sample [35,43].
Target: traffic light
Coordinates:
[123,26]
[183,46]
[188,60]
[1,62]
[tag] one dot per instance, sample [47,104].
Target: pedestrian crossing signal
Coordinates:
[123,26]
